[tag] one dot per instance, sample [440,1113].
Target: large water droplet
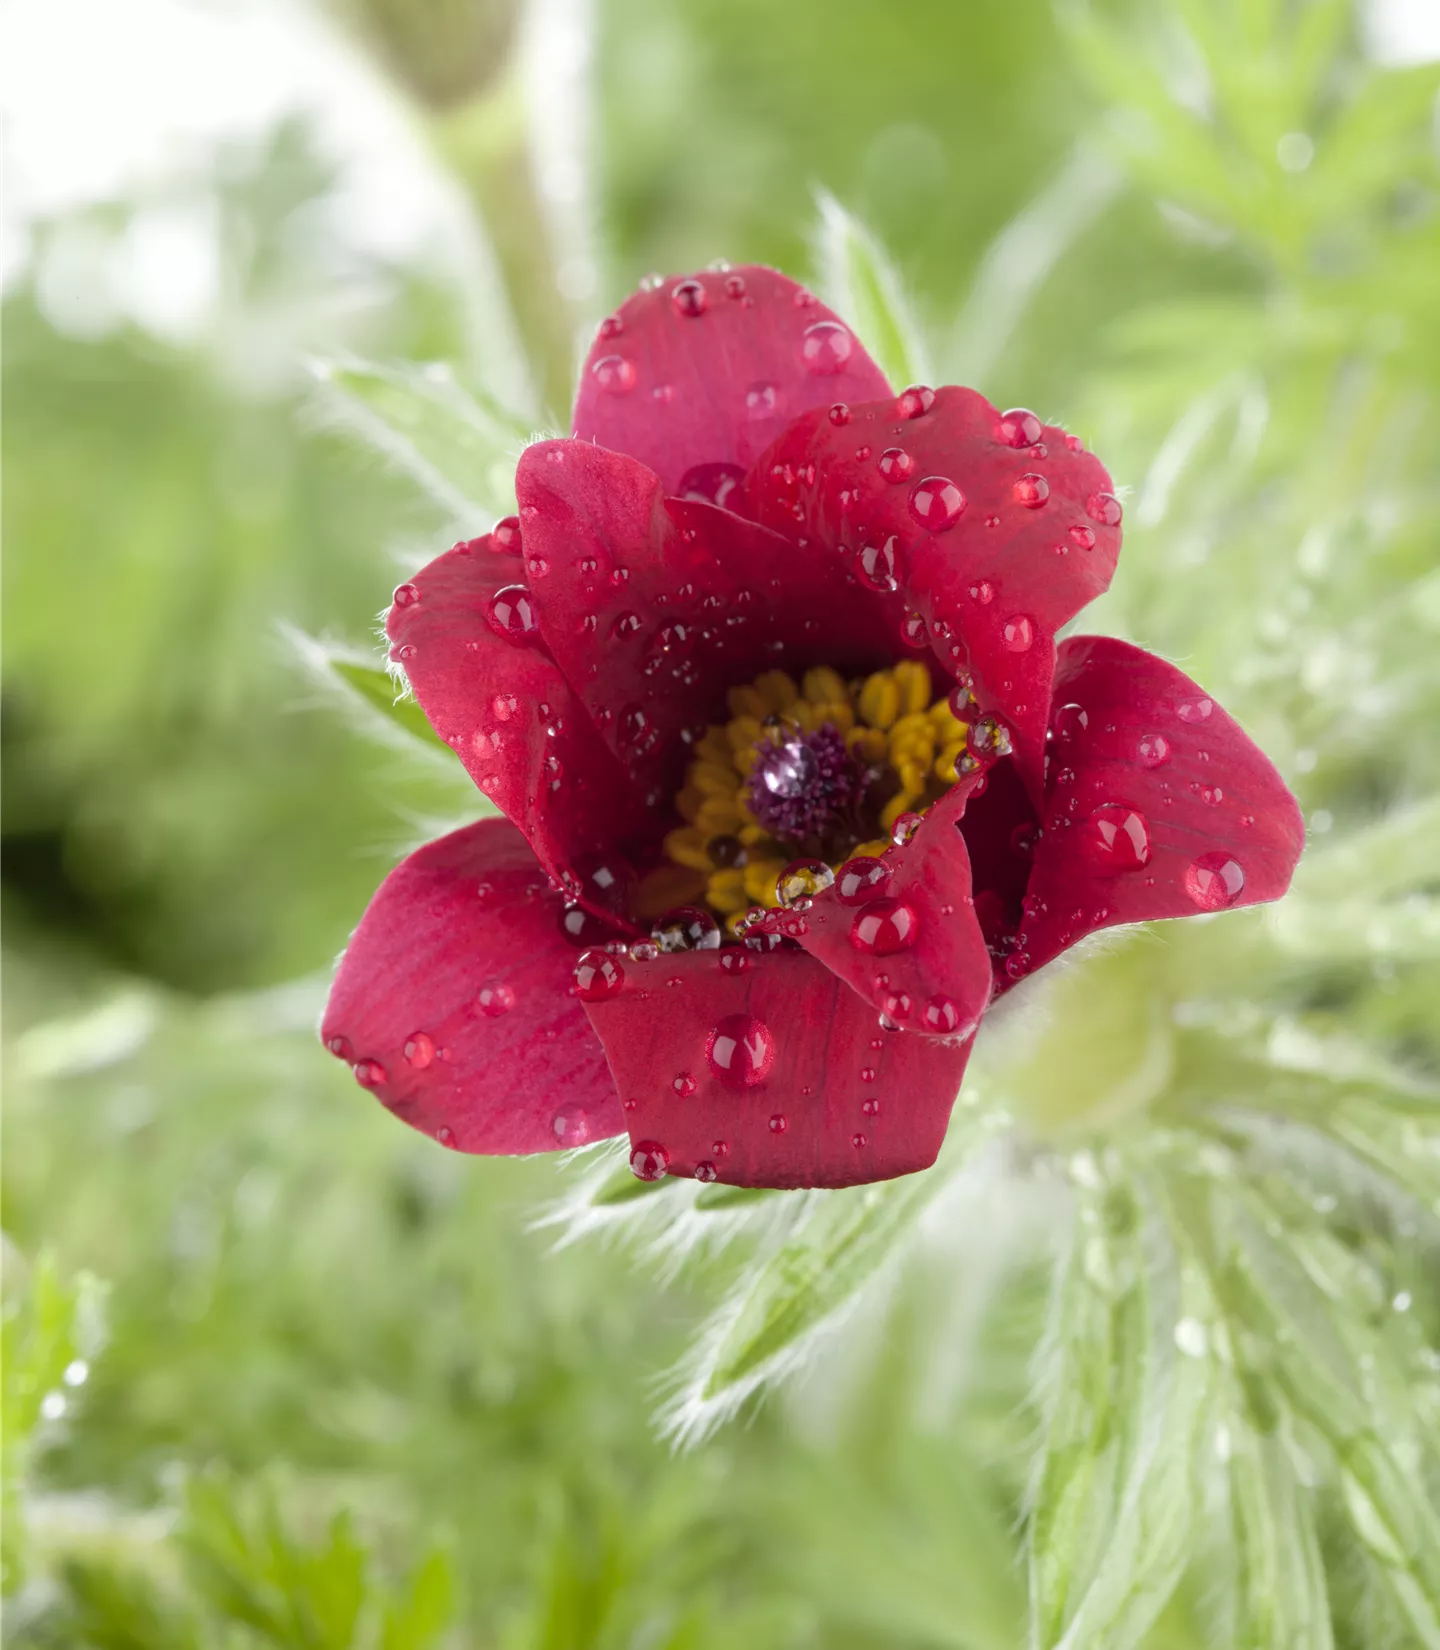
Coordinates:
[839,413]
[875,566]
[861,879]
[687,928]
[614,374]
[597,976]
[940,1016]
[1019,633]
[1084,537]
[1031,491]
[649,1160]
[711,483]
[902,832]
[406,595]
[370,1074]
[1195,710]
[513,615]
[915,402]
[705,1171]
[741,1051]
[572,1126]
[787,770]
[896,465]
[1018,428]
[779,1123]
[1069,722]
[690,299]
[883,927]
[937,503]
[505,535]
[825,348]
[495,999]
[1152,750]
[625,624]
[419,1050]
[1214,881]
[988,739]
[1104,508]
[802,879]
[1117,838]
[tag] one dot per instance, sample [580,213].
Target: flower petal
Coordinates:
[506,709]
[654,606]
[453,1002]
[1157,803]
[697,376]
[764,1069]
[995,546]
[914,949]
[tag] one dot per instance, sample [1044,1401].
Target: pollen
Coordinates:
[819,769]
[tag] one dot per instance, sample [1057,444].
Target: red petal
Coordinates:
[655,607]
[1157,804]
[914,949]
[453,1002]
[706,370]
[817,1058]
[995,581]
[496,701]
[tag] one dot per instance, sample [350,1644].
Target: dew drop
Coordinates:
[825,347]
[914,402]
[706,1172]
[914,632]
[741,1051]
[571,1127]
[1104,508]
[690,299]
[1195,710]
[1018,428]
[734,286]
[896,465]
[686,928]
[683,1085]
[803,879]
[1019,633]
[870,1107]
[982,592]
[883,927]
[858,1140]
[495,999]
[861,879]
[504,705]
[788,770]
[1031,491]
[711,483]
[583,926]
[1070,721]
[597,976]
[369,1074]
[937,503]
[419,1050]
[940,1016]
[625,625]
[1214,881]
[1152,750]
[1083,537]
[902,832]
[761,400]
[733,962]
[340,1048]
[875,566]
[988,738]
[649,1160]
[779,1123]
[512,614]
[1117,838]
[614,374]
[406,595]
[839,413]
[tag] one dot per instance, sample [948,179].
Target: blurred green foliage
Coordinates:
[347,1395]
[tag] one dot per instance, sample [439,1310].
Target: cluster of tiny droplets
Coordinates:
[802,784]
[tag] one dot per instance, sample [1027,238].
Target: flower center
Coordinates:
[819,769]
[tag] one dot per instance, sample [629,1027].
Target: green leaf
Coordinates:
[422,1614]
[858,281]
[366,687]
[459,448]
[378,688]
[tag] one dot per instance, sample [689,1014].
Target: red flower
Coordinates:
[761,608]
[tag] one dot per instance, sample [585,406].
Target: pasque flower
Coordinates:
[764,679]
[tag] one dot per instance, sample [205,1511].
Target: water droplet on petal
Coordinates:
[734,285]
[614,374]
[761,400]
[988,738]
[839,413]
[597,976]
[571,1127]
[789,769]
[1018,428]
[340,1048]
[914,632]
[705,1171]
[870,1107]
[495,999]
[419,1050]
[1195,710]
[1117,838]
[861,879]
[690,299]
[1031,491]
[711,483]
[445,1135]
[983,592]
[825,348]
[513,614]
[779,1123]
[914,402]
[904,829]
[937,503]
[1070,721]
[649,1160]
[802,879]
[734,962]
[406,595]
[1214,881]
[883,927]
[1152,750]
[687,928]
[683,1085]
[504,705]
[858,1140]
[875,566]
[941,1016]
[370,1074]
[741,1051]
[625,625]
[1084,537]
[896,465]
[1104,508]
[1019,633]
